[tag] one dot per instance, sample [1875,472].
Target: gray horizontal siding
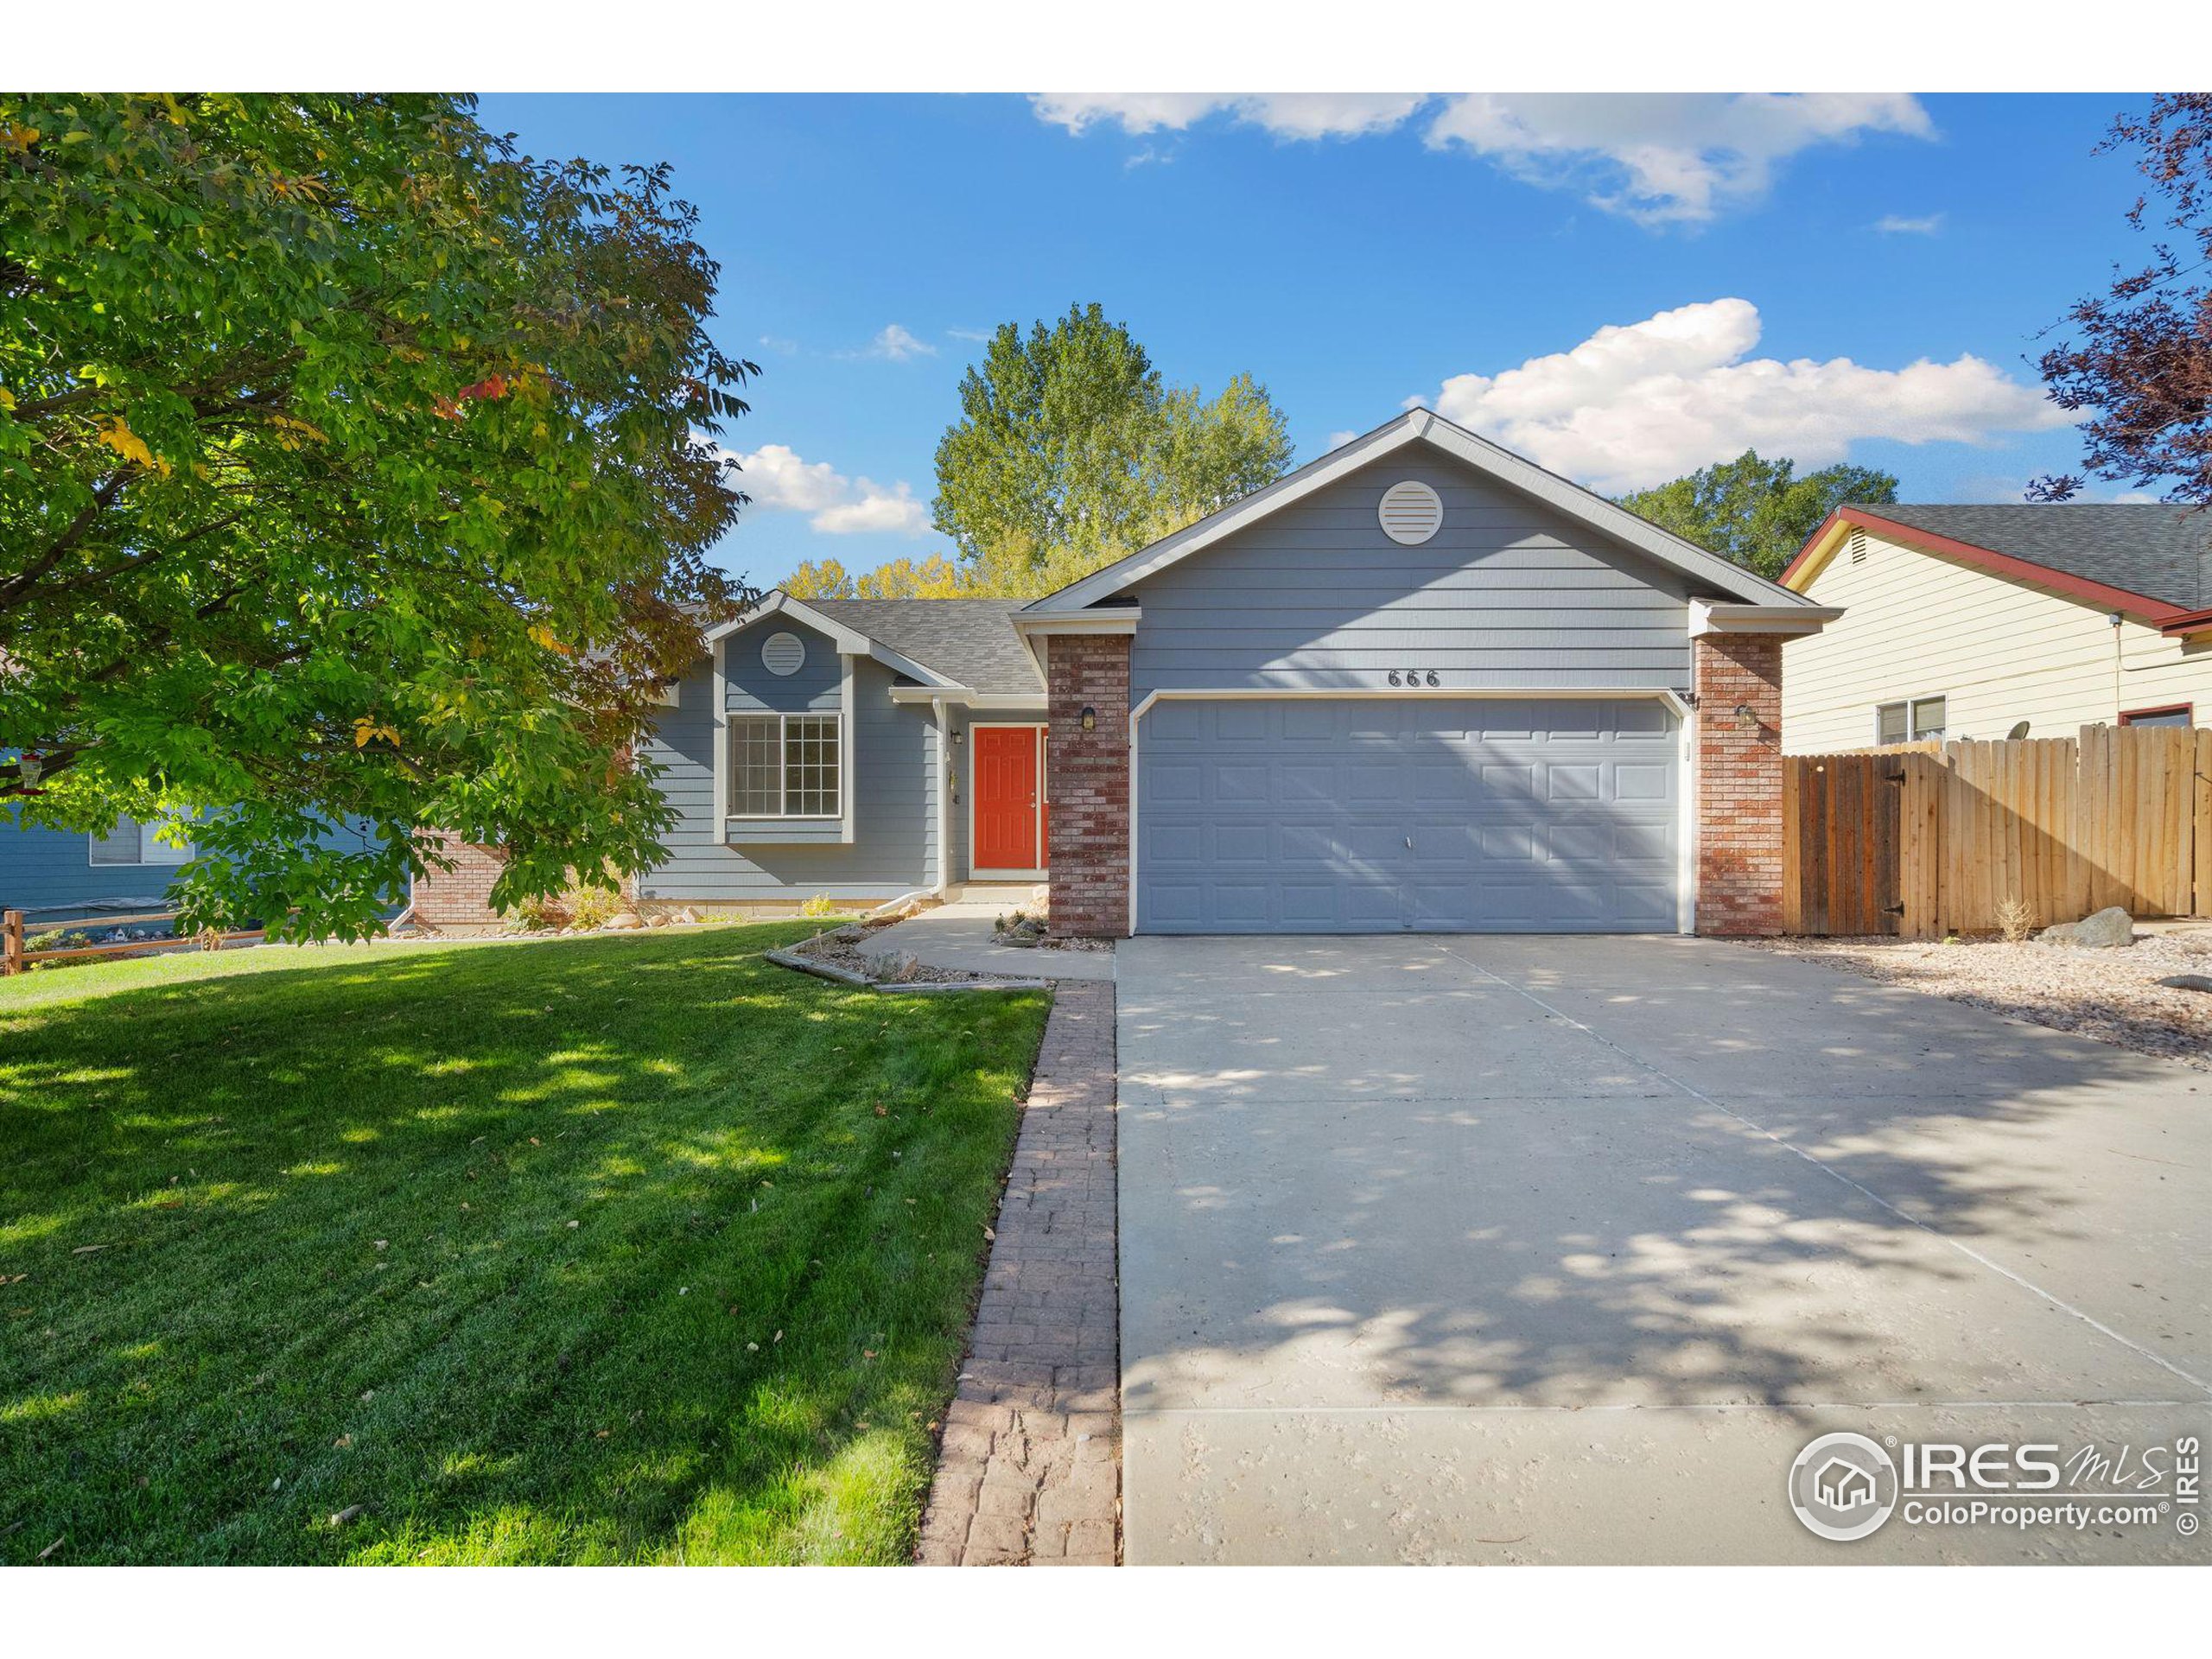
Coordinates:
[894,792]
[1507,595]
[749,685]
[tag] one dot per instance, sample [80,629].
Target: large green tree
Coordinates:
[1754,512]
[352,467]
[1071,450]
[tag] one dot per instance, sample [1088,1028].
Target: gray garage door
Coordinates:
[1375,815]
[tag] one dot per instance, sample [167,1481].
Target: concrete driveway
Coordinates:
[1559,1249]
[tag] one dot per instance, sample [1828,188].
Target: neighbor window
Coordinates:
[2179,713]
[133,843]
[784,767]
[1916,722]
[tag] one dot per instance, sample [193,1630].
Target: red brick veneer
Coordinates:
[1738,783]
[1089,833]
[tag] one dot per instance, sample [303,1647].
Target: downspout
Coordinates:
[944,796]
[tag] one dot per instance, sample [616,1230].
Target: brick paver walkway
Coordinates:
[1030,1470]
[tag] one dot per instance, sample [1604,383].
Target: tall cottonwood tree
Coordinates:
[352,467]
[1071,451]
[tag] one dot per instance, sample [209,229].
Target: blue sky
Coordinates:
[1621,287]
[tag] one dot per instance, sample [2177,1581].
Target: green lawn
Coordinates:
[615,1248]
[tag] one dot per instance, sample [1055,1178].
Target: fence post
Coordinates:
[11,942]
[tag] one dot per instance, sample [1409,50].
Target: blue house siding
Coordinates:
[893,781]
[1507,594]
[43,869]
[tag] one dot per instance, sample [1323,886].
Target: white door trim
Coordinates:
[1686,882]
[1036,871]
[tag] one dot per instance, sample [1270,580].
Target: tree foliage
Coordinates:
[2138,358]
[935,577]
[351,468]
[1071,451]
[1757,512]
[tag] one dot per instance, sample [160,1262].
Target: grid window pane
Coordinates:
[784,765]
[1927,717]
[810,765]
[1889,722]
[755,769]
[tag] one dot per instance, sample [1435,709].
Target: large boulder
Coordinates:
[2100,931]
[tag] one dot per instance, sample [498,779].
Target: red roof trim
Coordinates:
[2003,565]
[2188,622]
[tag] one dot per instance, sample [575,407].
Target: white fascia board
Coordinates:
[1791,621]
[959,697]
[1416,426]
[1121,619]
[850,642]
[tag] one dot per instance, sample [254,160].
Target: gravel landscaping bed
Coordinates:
[847,947]
[2113,994]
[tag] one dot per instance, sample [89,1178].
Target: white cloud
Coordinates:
[779,344]
[778,480]
[1899,225]
[1286,115]
[1664,158]
[1656,158]
[1636,405]
[1337,440]
[895,344]
[968,333]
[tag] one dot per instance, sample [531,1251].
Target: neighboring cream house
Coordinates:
[1967,621]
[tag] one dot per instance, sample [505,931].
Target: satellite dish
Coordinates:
[2019,730]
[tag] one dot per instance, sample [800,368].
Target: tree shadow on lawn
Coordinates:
[594,1250]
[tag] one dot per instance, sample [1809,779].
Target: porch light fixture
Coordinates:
[1089,718]
[1746,716]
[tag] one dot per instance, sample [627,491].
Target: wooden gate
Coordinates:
[1840,830]
[1934,839]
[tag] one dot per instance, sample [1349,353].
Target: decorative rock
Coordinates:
[2102,931]
[2187,982]
[622,921]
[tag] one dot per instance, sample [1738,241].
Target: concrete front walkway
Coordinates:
[1521,1249]
[958,935]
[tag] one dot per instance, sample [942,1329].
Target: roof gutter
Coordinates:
[2187,624]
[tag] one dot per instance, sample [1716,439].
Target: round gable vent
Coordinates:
[1411,513]
[783,653]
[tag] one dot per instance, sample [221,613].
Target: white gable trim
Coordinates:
[1420,426]
[851,642]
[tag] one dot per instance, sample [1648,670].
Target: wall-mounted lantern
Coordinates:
[1089,718]
[1746,716]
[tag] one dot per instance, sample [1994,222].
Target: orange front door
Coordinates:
[1006,798]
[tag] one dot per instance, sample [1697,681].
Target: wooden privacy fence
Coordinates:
[1929,839]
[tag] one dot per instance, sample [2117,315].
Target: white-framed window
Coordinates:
[133,843]
[1915,719]
[786,765]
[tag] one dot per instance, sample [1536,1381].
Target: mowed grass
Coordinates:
[619,1249]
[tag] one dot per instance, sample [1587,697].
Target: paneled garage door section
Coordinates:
[1380,815]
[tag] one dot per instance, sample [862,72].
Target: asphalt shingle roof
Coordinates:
[2152,548]
[970,640]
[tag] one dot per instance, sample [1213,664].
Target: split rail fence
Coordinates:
[1926,840]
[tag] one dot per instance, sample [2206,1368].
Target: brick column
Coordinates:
[1738,783]
[461,897]
[1089,835]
